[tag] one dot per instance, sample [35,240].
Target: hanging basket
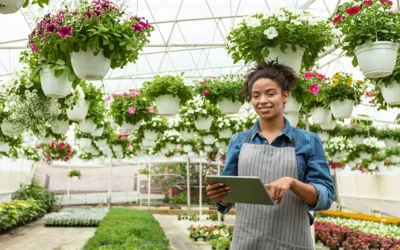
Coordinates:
[321,115]
[225,133]
[130,127]
[202,123]
[377,59]
[187,148]
[75,178]
[170,146]
[390,143]
[98,132]
[292,106]
[85,143]
[55,87]
[358,160]
[365,156]
[150,135]
[60,127]
[208,148]
[4,147]
[117,148]
[289,58]
[88,66]
[395,158]
[357,140]
[10,6]
[187,135]
[324,136]
[101,143]
[149,143]
[228,107]
[45,140]
[391,93]
[342,109]
[328,126]
[8,129]
[208,139]
[87,126]
[293,118]
[78,112]
[167,105]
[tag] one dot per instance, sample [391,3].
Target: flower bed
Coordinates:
[214,232]
[76,217]
[128,229]
[361,217]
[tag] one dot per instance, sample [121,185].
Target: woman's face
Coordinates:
[267,98]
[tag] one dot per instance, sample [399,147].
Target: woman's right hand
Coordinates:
[218,191]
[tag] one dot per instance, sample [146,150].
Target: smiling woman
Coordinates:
[290,162]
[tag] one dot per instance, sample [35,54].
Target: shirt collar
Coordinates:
[287,131]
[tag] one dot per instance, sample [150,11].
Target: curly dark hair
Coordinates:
[282,74]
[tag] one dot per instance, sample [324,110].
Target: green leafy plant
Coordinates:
[363,23]
[199,107]
[282,28]
[343,87]
[167,85]
[216,89]
[100,26]
[157,124]
[85,156]
[41,3]
[74,172]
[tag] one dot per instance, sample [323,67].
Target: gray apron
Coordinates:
[277,227]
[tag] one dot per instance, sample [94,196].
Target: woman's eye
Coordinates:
[255,96]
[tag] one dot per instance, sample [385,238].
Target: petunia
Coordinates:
[132,110]
[353,10]
[65,31]
[338,19]
[34,48]
[308,75]
[320,76]
[137,27]
[314,89]
[151,109]
[107,98]
[271,32]
[206,91]
[51,29]
[367,3]
[88,15]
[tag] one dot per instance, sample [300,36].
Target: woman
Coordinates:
[290,162]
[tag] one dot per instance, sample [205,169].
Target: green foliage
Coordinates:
[250,41]
[180,198]
[220,244]
[373,23]
[157,124]
[167,85]
[57,150]
[76,217]
[198,107]
[41,3]
[393,151]
[74,172]
[166,176]
[97,106]
[343,87]
[224,87]
[128,229]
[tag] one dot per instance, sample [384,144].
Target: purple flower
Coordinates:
[34,48]
[65,31]
[88,15]
[51,29]
[137,27]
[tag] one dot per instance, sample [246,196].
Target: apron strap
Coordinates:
[248,137]
[291,143]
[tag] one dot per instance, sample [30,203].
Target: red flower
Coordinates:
[337,19]
[388,2]
[368,2]
[353,10]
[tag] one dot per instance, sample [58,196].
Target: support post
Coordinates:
[149,187]
[188,182]
[109,182]
[69,180]
[200,188]
[219,173]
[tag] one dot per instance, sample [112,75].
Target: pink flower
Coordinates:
[204,82]
[314,89]
[137,27]
[107,98]
[168,153]
[65,31]
[128,145]
[151,109]
[320,76]
[206,91]
[34,48]
[88,15]
[308,75]
[124,94]
[132,110]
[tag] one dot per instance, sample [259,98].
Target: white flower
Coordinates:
[253,22]
[271,32]
[296,22]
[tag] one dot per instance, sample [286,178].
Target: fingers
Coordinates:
[217,191]
[214,186]
[219,196]
[276,192]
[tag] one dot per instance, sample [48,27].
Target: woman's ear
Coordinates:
[285,95]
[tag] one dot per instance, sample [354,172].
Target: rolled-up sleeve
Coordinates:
[318,175]
[230,167]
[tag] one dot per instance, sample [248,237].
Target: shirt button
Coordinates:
[265,142]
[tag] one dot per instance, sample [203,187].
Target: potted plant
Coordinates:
[323,135]
[317,105]
[129,110]
[84,139]
[169,92]
[248,121]
[152,128]
[57,150]
[224,91]
[12,6]
[372,44]
[85,156]
[80,44]
[171,139]
[293,38]
[185,125]
[394,154]
[119,145]
[74,175]
[31,153]
[226,126]
[108,132]
[343,94]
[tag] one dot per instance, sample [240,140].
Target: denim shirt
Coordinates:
[312,167]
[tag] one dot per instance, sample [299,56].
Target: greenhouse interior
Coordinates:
[152,124]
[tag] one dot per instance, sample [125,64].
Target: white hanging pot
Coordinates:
[187,135]
[391,93]
[167,105]
[149,143]
[357,140]
[85,143]
[390,143]
[170,146]
[75,178]
[202,123]
[365,156]
[88,66]
[342,109]
[187,148]
[101,143]
[10,6]
[220,144]
[164,150]
[55,87]
[225,133]
[293,118]
[119,155]
[45,140]
[292,106]
[289,58]
[324,136]
[321,115]
[87,126]
[372,166]
[377,59]
[208,148]
[208,139]
[358,160]
[4,147]
[60,127]
[117,148]
[150,135]
[98,132]
[228,107]
[130,127]
[395,158]
[328,126]
[78,112]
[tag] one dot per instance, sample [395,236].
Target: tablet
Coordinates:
[244,189]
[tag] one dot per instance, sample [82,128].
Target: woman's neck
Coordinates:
[272,126]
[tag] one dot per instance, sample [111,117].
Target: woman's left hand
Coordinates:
[278,188]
